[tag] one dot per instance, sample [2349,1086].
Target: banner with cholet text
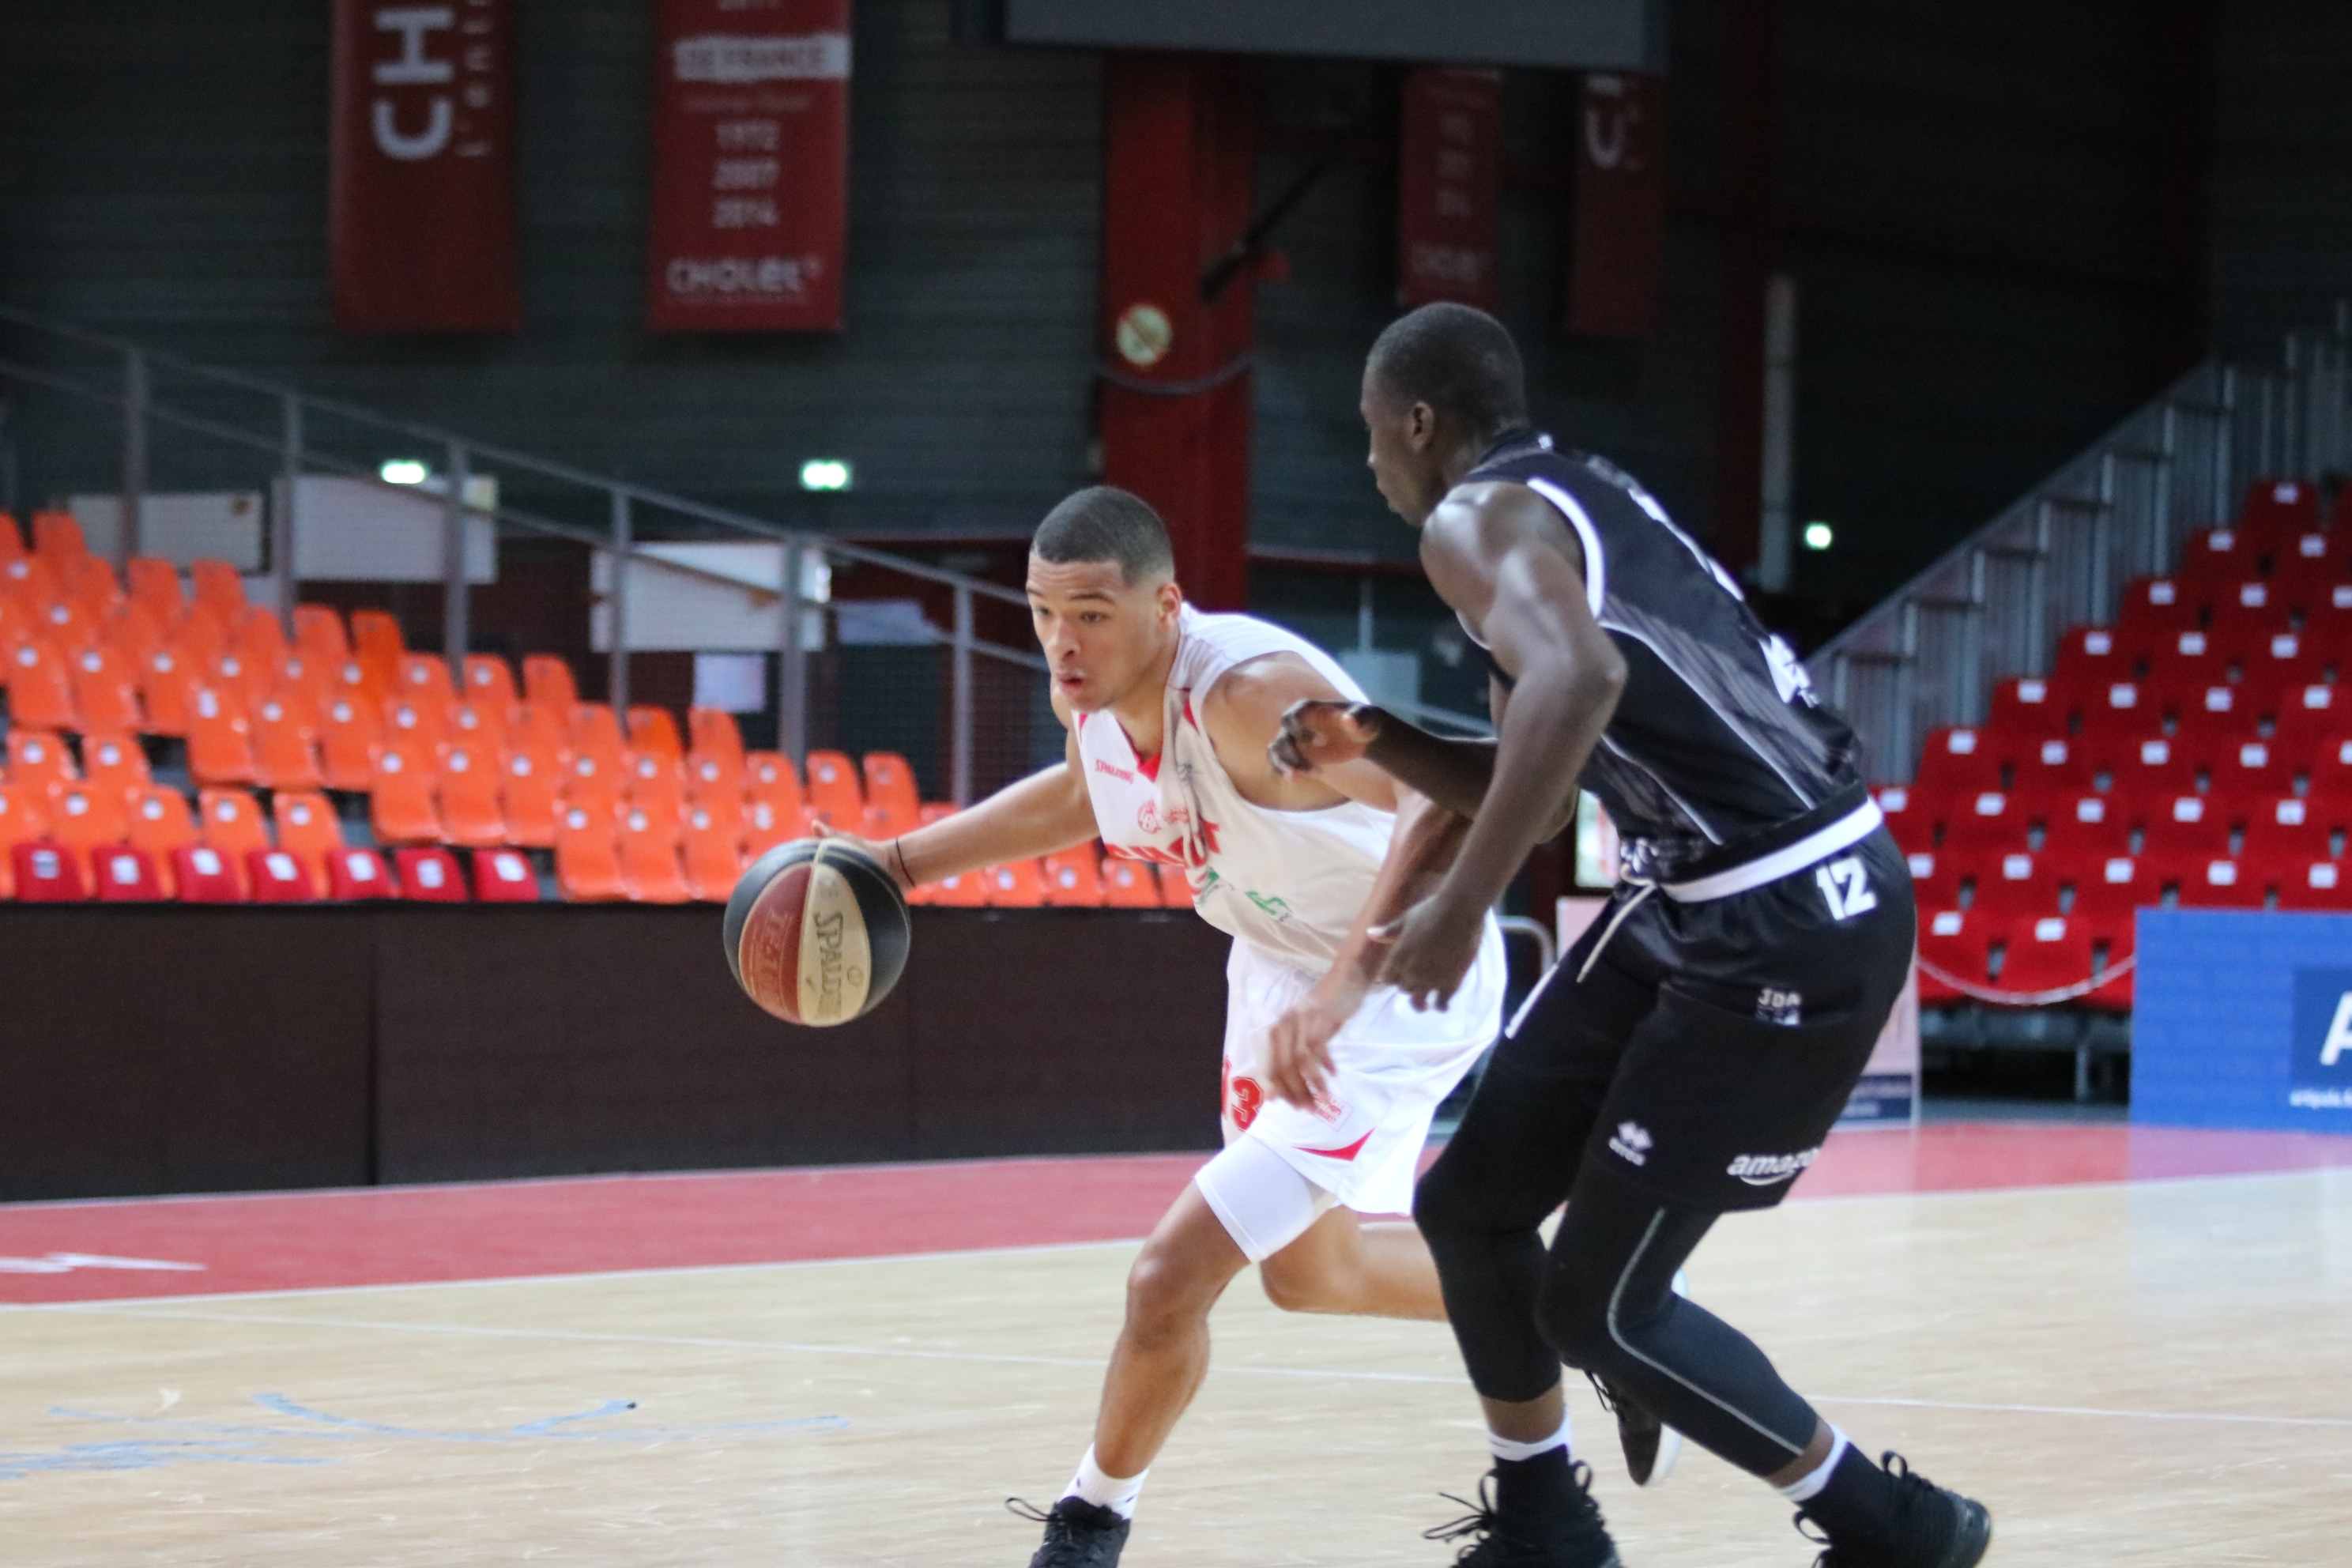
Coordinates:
[1449,183]
[750,188]
[421,199]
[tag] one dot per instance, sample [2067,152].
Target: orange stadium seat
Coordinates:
[12,541]
[540,728]
[39,757]
[424,680]
[712,777]
[767,825]
[833,793]
[652,730]
[1074,878]
[24,819]
[218,588]
[245,678]
[318,632]
[167,683]
[649,864]
[588,857]
[230,820]
[656,783]
[125,875]
[595,732]
[504,876]
[594,783]
[161,823]
[547,683]
[1130,884]
[354,679]
[114,761]
[308,830]
[349,732]
[430,876]
[278,877]
[489,683]
[49,874]
[284,756]
[377,647]
[84,818]
[712,733]
[133,636]
[1015,885]
[1175,892]
[714,849]
[890,789]
[482,725]
[259,637]
[409,722]
[770,776]
[531,796]
[399,796]
[29,581]
[200,637]
[966,890]
[156,585]
[207,875]
[56,535]
[470,813]
[40,686]
[220,738]
[106,690]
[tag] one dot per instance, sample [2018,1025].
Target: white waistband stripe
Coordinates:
[1850,829]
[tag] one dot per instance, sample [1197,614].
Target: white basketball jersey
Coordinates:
[1289,882]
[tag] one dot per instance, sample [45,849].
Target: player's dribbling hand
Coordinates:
[879,852]
[1319,733]
[1298,1047]
[1430,948]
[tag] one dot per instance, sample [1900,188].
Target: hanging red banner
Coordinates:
[421,204]
[1450,173]
[1617,256]
[751,195]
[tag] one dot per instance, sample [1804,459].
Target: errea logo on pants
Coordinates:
[1630,1142]
[1763,1169]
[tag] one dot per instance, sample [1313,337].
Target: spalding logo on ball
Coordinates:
[817,933]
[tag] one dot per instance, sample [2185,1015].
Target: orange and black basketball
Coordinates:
[817,933]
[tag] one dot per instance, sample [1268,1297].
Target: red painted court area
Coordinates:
[394,1235]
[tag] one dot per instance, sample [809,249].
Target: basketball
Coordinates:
[817,933]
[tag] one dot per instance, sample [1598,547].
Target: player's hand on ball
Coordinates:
[1298,1049]
[1320,732]
[879,852]
[1430,948]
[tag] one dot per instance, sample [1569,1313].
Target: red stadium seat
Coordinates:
[2286,831]
[279,877]
[2246,615]
[24,819]
[2182,825]
[429,876]
[1960,948]
[2218,554]
[2308,716]
[2116,715]
[2156,610]
[2089,661]
[354,874]
[2244,770]
[504,876]
[2280,507]
[2027,707]
[2213,715]
[2213,882]
[2014,887]
[2320,885]
[1962,761]
[2149,767]
[49,874]
[1990,823]
[2050,765]
[127,875]
[207,875]
[2043,954]
[1913,817]
[2188,661]
[2271,672]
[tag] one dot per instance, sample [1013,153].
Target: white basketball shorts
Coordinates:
[1361,1145]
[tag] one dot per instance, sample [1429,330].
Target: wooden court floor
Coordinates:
[2127,1373]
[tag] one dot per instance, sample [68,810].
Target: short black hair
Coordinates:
[1459,361]
[1103,522]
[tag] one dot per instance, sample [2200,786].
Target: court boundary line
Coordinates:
[1095,1363]
[942,1255]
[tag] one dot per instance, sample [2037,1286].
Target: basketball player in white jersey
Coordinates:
[1171,713]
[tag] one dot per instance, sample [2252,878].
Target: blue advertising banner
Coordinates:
[2243,1020]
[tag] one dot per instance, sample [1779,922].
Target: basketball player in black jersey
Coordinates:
[1685,1059]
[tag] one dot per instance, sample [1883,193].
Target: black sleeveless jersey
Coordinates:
[1717,749]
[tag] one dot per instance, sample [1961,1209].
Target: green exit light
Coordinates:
[825,474]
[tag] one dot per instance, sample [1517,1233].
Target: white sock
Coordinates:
[1507,1449]
[1105,1492]
[1809,1486]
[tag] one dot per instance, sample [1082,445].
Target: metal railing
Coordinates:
[1995,605]
[286,427]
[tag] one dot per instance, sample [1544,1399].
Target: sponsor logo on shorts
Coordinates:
[1764,1170]
[1630,1142]
[1328,1109]
[1775,1005]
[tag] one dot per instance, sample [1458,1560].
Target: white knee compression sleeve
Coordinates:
[1264,1202]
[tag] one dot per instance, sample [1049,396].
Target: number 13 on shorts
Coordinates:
[1845,886]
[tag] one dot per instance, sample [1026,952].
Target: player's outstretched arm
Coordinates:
[1494,554]
[1322,732]
[1036,815]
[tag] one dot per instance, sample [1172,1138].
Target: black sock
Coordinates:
[1857,1504]
[1542,1487]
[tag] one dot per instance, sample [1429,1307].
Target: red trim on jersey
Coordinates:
[1148,766]
[1349,1152]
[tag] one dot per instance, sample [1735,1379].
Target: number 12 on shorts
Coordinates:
[1845,887]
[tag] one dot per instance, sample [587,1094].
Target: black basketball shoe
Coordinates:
[1932,1528]
[1078,1535]
[1576,1539]
[1651,1445]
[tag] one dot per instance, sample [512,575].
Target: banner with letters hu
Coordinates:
[421,225]
[1617,251]
[751,192]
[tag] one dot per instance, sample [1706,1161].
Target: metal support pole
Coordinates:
[1364,614]
[454,629]
[792,662]
[959,718]
[623,539]
[128,538]
[281,519]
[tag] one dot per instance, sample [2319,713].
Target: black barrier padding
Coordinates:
[193,1050]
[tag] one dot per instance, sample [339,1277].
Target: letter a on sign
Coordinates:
[2339,1033]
